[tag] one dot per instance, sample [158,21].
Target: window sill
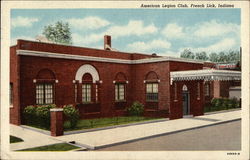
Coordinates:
[120,101]
[11,106]
[151,101]
[175,100]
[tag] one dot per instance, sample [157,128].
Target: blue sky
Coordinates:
[161,31]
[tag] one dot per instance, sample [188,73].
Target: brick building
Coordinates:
[102,83]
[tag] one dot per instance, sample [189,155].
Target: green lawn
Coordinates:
[53,147]
[104,122]
[14,139]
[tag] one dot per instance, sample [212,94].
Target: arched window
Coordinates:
[120,87]
[86,87]
[88,78]
[152,82]
[184,88]
[45,91]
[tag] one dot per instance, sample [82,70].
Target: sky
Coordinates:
[162,31]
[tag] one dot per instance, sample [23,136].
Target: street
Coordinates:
[226,136]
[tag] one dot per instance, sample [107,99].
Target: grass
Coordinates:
[53,147]
[14,139]
[104,122]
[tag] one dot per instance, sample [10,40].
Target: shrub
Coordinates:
[30,114]
[219,103]
[72,114]
[225,103]
[38,116]
[136,109]
[43,115]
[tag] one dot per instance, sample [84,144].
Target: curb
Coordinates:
[162,134]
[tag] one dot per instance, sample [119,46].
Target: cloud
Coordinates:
[214,28]
[91,22]
[23,21]
[149,46]
[136,28]
[173,31]
[14,40]
[85,40]
[222,45]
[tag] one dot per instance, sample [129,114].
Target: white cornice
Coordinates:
[209,74]
[102,59]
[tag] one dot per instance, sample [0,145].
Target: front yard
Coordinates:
[14,139]
[104,122]
[53,147]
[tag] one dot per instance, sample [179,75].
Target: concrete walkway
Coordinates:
[30,138]
[108,137]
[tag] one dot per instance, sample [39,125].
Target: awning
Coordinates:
[207,75]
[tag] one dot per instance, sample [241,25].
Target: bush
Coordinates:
[30,114]
[72,114]
[38,116]
[136,109]
[224,103]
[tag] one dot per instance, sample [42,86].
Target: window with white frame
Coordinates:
[11,94]
[44,93]
[152,91]
[86,93]
[119,92]
[207,89]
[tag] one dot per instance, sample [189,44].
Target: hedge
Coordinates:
[39,116]
[222,104]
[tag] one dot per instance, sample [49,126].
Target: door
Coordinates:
[185,101]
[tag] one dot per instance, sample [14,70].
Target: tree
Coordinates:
[187,54]
[213,57]
[201,56]
[222,57]
[58,33]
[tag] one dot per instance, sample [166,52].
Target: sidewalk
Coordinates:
[119,135]
[108,137]
[30,138]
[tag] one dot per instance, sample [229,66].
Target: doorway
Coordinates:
[185,101]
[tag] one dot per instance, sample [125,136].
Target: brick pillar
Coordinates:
[56,121]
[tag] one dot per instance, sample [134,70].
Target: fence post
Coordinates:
[56,121]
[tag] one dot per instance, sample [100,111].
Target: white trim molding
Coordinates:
[207,75]
[56,109]
[103,59]
[87,68]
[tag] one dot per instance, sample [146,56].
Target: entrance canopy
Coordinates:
[207,75]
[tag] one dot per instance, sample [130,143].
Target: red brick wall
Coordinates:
[14,79]
[55,48]
[65,71]
[196,105]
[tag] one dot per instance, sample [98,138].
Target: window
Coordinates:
[119,92]
[86,93]
[44,93]
[96,93]
[152,91]
[207,89]
[11,93]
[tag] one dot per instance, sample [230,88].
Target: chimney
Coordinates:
[107,42]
